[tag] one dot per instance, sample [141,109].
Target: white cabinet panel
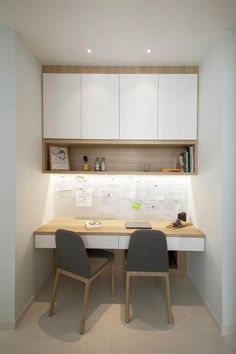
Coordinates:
[177,114]
[62,106]
[138,106]
[100,241]
[100,106]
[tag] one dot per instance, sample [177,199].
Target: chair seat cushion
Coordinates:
[98,258]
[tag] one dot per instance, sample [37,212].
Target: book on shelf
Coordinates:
[186,159]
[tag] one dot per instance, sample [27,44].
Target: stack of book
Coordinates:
[186,159]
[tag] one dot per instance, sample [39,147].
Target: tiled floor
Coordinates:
[147,333]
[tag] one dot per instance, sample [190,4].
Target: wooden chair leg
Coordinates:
[113,278]
[54,292]
[127,293]
[168,300]
[85,307]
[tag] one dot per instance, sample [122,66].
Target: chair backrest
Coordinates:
[147,252]
[71,253]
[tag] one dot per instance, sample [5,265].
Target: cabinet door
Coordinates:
[138,106]
[62,106]
[100,106]
[177,115]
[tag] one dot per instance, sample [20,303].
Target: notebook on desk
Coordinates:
[138,225]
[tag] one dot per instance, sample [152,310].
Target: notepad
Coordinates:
[137,225]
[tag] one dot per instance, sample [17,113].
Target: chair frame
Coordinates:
[165,275]
[87,283]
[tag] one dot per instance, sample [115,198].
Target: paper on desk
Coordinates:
[83,197]
[108,202]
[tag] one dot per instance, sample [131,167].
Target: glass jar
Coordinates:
[97,164]
[103,164]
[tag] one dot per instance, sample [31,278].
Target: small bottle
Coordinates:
[147,167]
[103,164]
[85,164]
[97,164]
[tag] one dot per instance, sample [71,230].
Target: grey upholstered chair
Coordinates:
[74,261]
[147,256]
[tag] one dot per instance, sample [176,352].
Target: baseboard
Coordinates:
[211,314]
[208,308]
[24,311]
[228,330]
[7,326]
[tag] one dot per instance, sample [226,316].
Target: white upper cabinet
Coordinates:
[138,106]
[177,112]
[62,106]
[100,106]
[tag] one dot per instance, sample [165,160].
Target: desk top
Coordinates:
[113,227]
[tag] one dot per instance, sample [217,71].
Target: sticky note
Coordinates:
[136,205]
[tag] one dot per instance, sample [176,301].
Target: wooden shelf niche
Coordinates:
[122,156]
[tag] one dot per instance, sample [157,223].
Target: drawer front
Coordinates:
[173,243]
[124,242]
[185,244]
[100,241]
[90,241]
[45,241]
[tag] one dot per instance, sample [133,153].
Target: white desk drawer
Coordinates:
[90,241]
[185,244]
[173,243]
[45,241]
[100,241]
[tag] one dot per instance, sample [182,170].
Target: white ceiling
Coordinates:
[179,32]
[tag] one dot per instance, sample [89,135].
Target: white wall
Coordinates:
[229,171]
[212,190]
[7,178]
[33,198]
[26,194]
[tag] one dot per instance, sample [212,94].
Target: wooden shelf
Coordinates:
[122,156]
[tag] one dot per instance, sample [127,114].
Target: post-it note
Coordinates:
[136,205]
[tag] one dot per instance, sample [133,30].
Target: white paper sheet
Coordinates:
[152,207]
[64,183]
[170,210]
[128,188]
[175,190]
[156,190]
[108,202]
[83,197]
[141,189]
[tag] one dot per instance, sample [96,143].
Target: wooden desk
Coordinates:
[114,235]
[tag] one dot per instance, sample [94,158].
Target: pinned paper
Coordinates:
[141,189]
[170,210]
[83,197]
[136,205]
[152,207]
[108,202]
[64,183]
[156,190]
[175,190]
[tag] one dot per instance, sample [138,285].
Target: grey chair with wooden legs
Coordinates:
[147,256]
[74,261]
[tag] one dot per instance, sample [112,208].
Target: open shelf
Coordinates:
[122,156]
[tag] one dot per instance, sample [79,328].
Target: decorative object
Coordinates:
[59,158]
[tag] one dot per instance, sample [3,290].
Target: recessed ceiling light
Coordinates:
[89,51]
[148,51]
